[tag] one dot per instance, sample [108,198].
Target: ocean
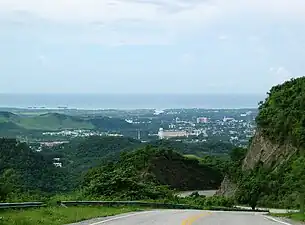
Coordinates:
[130,101]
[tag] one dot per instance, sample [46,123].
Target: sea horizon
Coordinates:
[130,101]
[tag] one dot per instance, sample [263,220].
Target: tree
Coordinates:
[252,186]
[9,183]
[298,171]
[238,154]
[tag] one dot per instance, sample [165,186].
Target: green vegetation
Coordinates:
[23,170]
[198,149]
[103,168]
[279,187]
[281,119]
[81,154]
[145,173]
[204,202]
[59,215]
[281,116]
[12,123]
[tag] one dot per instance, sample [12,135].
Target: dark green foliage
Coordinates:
[198,149]
[252,186]
[204,202]
[82,154]
[110,124]
[237,155]
[22,169]
[280,187]
[277,187]
[281,119]
[281,116]
[145,173]
[9,183]
[118,171]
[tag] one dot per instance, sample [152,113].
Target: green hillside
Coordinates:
[282,115]
[198,149]
[280,137]
[23,170]
[56,122]
[81,154]
[110,167]
[85,153]
[144,173]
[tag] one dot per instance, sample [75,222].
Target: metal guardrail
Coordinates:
[21,205]
[133,203]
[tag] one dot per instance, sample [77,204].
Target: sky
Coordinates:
[150,46]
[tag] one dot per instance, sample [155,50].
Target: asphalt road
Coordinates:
[185,217]
[206,193]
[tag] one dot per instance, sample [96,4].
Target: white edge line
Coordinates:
[121,217]
[276,220]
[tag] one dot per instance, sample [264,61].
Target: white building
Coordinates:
[171,134]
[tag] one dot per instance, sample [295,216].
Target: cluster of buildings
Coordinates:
[79,133]
[237,128]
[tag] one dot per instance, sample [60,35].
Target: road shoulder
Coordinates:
[284,221]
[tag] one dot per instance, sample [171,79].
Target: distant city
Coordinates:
[234,126]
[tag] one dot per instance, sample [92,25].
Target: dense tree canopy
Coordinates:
[144,173]
[282,115]
[281,119]
[23,169]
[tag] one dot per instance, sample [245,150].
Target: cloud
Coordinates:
[254,38]
[141,21]
[187,58]
[223,37]
[42,60]
[152,10]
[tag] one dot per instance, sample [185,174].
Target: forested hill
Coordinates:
[273,173]
[281,116]
[81,154]
[197,149]
[141,174]
[118,167]
[22,169]
[56,121]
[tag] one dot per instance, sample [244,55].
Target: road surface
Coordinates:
[206,193]
[185,217]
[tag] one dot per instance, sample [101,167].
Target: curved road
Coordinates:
[185,217]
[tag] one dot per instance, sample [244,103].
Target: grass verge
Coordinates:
[59,215]
[293,216]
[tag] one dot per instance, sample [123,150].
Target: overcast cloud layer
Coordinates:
[150,46]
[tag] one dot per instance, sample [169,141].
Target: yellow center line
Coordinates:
[190,220]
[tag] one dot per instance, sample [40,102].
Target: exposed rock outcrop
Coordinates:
[270,154]
[227,188]
[261,150]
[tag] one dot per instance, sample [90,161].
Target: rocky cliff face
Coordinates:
[227,188]
[261,150]
[270,154]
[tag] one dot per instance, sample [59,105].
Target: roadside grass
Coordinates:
[59,215]
[293,216]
